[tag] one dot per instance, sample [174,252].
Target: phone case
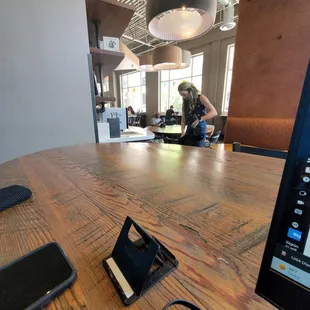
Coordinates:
[43,301]
[13,195]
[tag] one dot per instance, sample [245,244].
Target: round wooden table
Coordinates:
[211,209]
[171,130]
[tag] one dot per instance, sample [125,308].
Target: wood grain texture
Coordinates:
[109,61]
[113,16]
[211,209]
[102,57]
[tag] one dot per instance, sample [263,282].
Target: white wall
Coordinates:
[45,98]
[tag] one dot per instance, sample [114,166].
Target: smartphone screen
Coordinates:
[34,277]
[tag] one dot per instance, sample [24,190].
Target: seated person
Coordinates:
[130,111]
[156,120]
[170,114]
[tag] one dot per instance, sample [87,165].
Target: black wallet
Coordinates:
[13,195]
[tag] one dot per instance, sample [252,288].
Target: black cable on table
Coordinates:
[181,302]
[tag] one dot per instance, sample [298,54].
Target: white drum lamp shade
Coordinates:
[146,63]
[167,57]
[186,59]
[176,20]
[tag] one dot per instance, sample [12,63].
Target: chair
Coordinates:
[171,141]
[131,120]
[213,139]
[171,121]
[212,128]
[157,139]
[137,121]
[237,147]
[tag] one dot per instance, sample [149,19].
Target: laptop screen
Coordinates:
[284,278]
[292,252]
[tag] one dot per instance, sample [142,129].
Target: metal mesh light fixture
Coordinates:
[176,20]
[167,57]
[146,63]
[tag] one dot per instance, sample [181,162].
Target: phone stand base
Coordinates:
[134,267]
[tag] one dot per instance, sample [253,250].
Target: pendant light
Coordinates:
[186,59]
[146,63]
[167,57]
[176,20]
[228,19]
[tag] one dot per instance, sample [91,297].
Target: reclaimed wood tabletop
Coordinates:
[211,209]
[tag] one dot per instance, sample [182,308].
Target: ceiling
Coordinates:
[137,37]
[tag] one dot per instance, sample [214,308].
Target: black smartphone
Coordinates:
[35,279]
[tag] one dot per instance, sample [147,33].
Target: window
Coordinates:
[105,83]
[170,80]
[228,76]
[133,91]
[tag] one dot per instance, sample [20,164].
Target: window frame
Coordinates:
[169,80]
[141,85]
[227,71]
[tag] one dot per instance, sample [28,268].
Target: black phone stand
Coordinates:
[141,264]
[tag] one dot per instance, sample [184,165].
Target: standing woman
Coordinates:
[196,110]
[130,110]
